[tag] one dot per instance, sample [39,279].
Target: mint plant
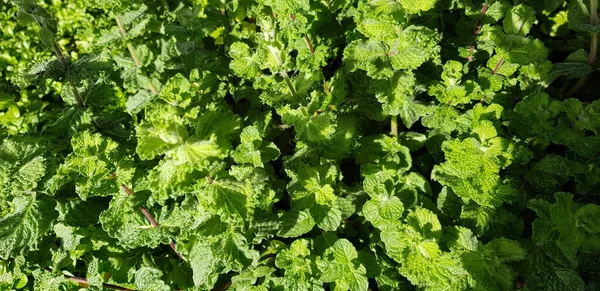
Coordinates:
[299,145]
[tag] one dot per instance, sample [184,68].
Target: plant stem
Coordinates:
[394,126]
[65,64]
[85,282]
[307,40]
[224,13]
[477,31]
[594,42]
[309,44]
[593,12]
[498,66]
[60,55]
[80,280]
[133,54]
[289,83]
[227,285]
[576,87]
[275,53]
[129,45]
[326,88]
[152,89]
[150,219]
[77,95]
[593,48]
[142,208]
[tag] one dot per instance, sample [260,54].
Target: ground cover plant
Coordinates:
[299,145]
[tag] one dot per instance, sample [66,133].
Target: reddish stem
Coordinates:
[150,219]
[477,31]
[174,248]
[105,285]
[126,189]
[227,285]
[309,44]
[593,48]
[148,216]
[65,64]
[307,40]
[577,86]
[498,65]
[85,281]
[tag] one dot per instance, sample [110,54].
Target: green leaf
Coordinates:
[177,92]
[413,47]
[204,265]
[162,129]
[570,70]
[253,150]
[341,266]
[233,251]
[228,198]
[486,275]
[295,223]
[96,166]
[383,152]
[587,217]
[519,20]
[472,167]
[416,6]
[378,212]
[126,223]
[299,266]
[22,167]
[148,278]
[244,64]
[579,17]
[532,53]
[24,227]
[460,238]
[44,280]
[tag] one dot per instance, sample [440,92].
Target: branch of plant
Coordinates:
[60,55]
[83,282]
[394,126]
[63,61]
[288,82]
[576,87]
[133,53]
[224,13]
[307,40]
[224,287]
[593,49]
[326,88]
[594,41]
[150,219]
[477,31]
[498,66]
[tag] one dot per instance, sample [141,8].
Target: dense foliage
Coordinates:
[299,145]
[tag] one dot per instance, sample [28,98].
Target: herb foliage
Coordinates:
[299,145]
